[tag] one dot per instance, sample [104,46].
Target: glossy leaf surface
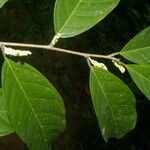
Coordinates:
[113,102]
[36,109]
[138,49]
[5,125]
[2,2]
[72,17]
[141,76]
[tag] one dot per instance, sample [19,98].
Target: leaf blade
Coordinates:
[5,125]
[2,2]
[74,17]
[34,105]
[138,49]
[115,110]
[140,75]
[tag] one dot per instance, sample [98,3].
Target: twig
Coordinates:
[56,49]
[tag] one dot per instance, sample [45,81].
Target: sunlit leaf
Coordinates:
[113,102]
[35,108]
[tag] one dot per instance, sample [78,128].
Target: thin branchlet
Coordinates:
[56,49]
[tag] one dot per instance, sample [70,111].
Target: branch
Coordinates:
[51,48]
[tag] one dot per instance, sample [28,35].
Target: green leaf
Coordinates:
[141,76]
[138,49]
[72,17]
[2,2]
[35,108]
[5,125]
[113,102]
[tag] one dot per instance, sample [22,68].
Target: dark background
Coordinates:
[31,21]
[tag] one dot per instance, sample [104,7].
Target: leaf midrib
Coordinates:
[30,106]
[107,102]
